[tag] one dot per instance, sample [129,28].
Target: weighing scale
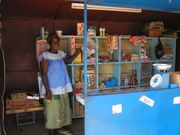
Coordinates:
[161,79]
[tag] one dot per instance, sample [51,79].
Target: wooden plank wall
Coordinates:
[1,85]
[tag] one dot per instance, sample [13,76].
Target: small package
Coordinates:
[21,103]
[18,96]
[91,30]
[80,29]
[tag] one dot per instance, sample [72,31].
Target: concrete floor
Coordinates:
[38,129]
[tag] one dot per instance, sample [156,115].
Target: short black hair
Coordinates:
[51,37]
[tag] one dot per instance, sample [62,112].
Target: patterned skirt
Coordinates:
[57,112]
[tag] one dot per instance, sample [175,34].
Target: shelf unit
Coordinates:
[119,69]
[104,70]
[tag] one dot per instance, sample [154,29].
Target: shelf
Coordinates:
[109,88]
[143,85]
[121,71]
[163,60]
[156,61]
[81,64]
[114,88]
[69,36]
[109,63]
[120,37]
[128,62]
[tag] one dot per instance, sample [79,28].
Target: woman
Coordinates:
[57,85]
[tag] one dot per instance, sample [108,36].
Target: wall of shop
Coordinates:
[19,38]
[1,82]
[22,21]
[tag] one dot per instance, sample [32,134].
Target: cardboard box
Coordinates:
[79,109]
[174,77]
[21,104]
[155,33]
[18,96]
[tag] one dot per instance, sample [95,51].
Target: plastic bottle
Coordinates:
[100,32]
[42,32]
[103,31]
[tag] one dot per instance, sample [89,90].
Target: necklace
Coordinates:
[54,52]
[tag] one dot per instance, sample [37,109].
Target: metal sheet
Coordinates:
[136,118]
[161,5]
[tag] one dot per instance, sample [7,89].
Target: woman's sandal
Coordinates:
[64,132]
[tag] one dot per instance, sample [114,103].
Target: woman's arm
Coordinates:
[44,70]
[69,59]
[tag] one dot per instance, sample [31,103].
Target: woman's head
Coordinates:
[54,41]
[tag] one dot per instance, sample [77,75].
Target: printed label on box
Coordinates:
[147,101]
[117,109]
[176,100]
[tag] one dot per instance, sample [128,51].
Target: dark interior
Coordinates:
[22,20]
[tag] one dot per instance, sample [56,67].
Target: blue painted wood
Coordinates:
[117,71]
[161,5]
[85,46]
[97,65]
[136,118]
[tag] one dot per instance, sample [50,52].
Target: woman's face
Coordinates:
[55,43]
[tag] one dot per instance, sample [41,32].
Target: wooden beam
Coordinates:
[22,110]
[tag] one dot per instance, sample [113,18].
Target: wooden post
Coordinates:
[2,130]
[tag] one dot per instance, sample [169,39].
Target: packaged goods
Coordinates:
[80,29]
[21,103]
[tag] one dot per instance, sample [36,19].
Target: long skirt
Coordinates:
[57,112]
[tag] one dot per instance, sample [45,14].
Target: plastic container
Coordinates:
[173,85]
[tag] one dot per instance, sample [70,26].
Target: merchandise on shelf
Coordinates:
[167,57]
[154,29]
[104,62]
[91,31]
[138,40]
[125,57]
[91,47]
[133,80]
[102,85]
[80,29]
[134,57]
[78,87]
[111,82]
[112,42]
[102,31]
[159,51]
[104,59]
[146,73]
[41,46]
[92,60]
[121,63]
[91,77]
[59,33]
[74,46]
[144,56]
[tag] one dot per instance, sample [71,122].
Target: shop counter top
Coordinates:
[137,111]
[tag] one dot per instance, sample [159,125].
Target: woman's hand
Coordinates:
[48,95]
[69,59]
[78,50]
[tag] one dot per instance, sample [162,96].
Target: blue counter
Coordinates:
[135,117]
